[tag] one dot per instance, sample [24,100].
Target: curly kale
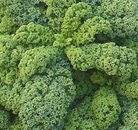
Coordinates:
[55,12]
[122,15]
[68,65]
[105,107]
[81,117]
[15,13]
[13,47]
[130,117]
[108,57]
[4,119]
[48,97]
[83,83]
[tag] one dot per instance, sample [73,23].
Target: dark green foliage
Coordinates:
[4,119]
[89,1]
[16,124]
[101,79]
[19,12]
[83,84]
[47,98]
[68,64]
[81,117]
[131,116]
[56,11]
[122,15]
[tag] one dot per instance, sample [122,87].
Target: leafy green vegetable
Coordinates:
[68,65]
